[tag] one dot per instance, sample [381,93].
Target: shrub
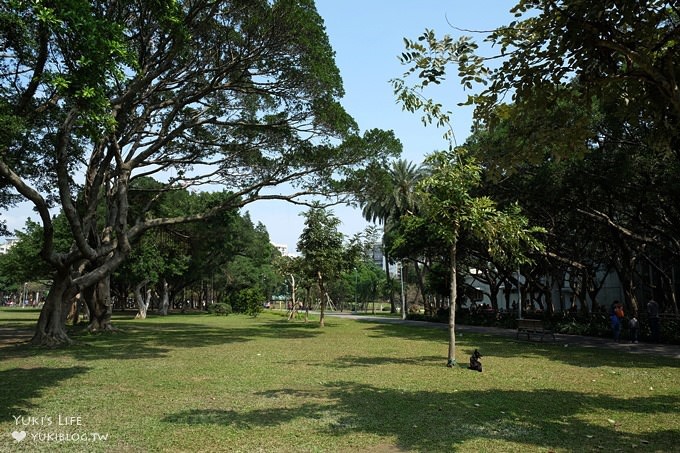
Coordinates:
[220,309]
[590,324]
[247,301]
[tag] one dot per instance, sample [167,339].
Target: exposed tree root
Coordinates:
[51,339]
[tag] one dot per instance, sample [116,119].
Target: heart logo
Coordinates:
[19,435]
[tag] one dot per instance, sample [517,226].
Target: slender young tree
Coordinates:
[323,254]
[450,208]
[448,198]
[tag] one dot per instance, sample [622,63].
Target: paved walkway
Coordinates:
[666,350]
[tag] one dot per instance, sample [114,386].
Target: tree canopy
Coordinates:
[241,95]
[577,120]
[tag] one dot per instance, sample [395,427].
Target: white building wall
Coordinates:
[8,244]
[561,293]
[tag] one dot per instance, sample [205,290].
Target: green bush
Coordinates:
[248,301]
[220,309]
[591,324]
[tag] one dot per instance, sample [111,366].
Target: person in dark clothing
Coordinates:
[616,326]
[616,319]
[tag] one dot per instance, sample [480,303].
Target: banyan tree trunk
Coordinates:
[98,299]
[51,327]
[165,299]
[142,301]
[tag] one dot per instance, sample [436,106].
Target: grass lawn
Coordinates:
[202,383]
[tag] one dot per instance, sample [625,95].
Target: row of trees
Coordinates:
[195,265]
[576,122]
[334,267]
[187,265]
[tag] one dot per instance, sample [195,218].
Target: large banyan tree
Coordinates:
[240,95]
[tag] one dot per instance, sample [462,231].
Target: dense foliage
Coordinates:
[242,95]
[577,123]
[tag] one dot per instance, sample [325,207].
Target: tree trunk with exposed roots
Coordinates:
[51,327]
[98,299]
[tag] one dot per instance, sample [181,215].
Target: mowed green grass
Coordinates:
[201,383]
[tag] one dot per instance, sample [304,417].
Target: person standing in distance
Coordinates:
[616,316]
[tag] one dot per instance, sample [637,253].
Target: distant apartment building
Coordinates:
[8,244]
[562,295]
[282,248]
[377,256]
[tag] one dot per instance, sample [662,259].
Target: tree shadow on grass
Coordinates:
[18,321]
[21,385]
[11,334]
[351,361]
[240,419]
[440,421]
[156,340]
[509,347]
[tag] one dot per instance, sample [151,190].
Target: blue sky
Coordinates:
[367,37]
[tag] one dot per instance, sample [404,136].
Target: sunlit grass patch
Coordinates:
[235,383]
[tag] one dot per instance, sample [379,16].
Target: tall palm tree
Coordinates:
[390,196]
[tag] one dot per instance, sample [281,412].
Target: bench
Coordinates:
[533,326]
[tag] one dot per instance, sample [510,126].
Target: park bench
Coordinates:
[533,326]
